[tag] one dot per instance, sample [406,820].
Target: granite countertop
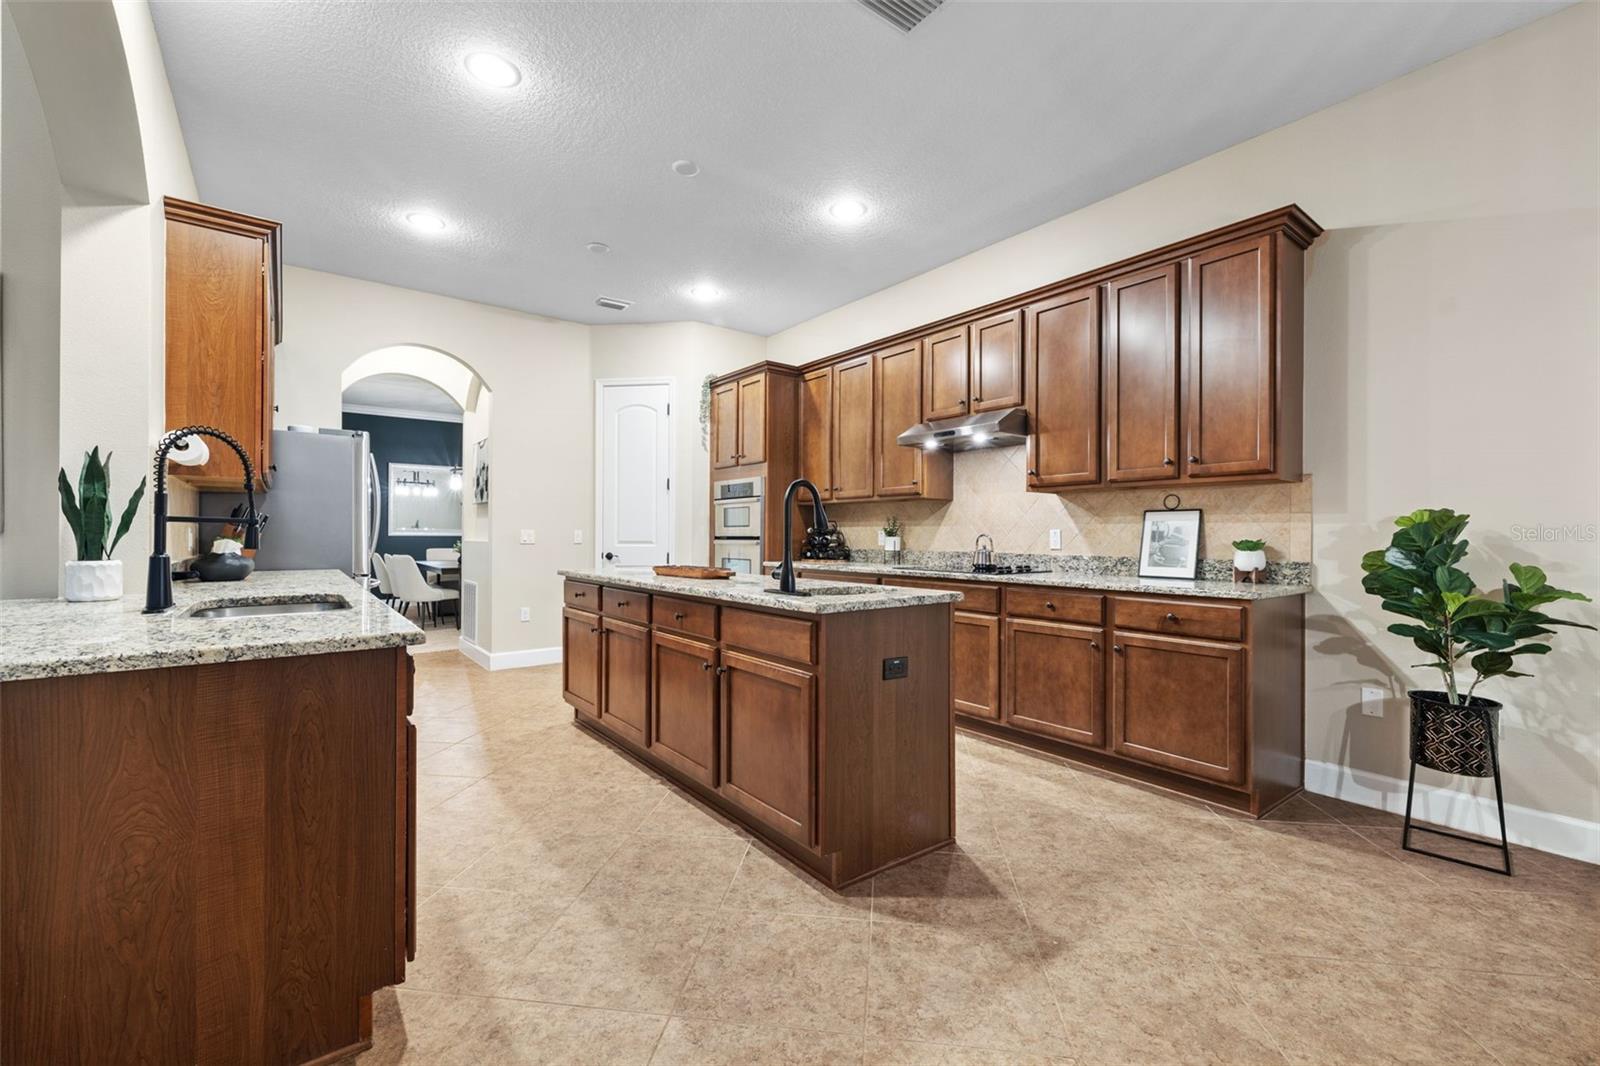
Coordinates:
[750,591]
[53,638]
[1222,590]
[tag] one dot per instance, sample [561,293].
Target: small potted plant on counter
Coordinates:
[891,539]
[94,575]
[1417,577]
[1249,559]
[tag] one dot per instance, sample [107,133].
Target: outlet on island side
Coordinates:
[896,668]
[1372,698]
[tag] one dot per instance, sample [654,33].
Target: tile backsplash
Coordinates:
[991,497]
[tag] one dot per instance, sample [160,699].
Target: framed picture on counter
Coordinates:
[1171,544]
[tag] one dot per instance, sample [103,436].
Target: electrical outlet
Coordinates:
[1372,698]
[1055,540]
[524,614]
[896,668]
[577,536]
[881,537]
[530,536]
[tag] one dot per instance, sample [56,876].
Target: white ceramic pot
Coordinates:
[891,544]
[1247,561]
[90,580]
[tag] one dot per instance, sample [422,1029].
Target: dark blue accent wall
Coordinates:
[408,440]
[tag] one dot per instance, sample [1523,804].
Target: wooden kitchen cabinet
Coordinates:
[580,663]
[725,425]
[625,678]
[753,419]
[975,664]
[899,395]
[949,374]
[853,405]
[1055,680]
[683,707]
[816,430]
[997,381]
[1179,703]
[739,421]
[1229,365]
[1141,375]
[768,749]
[1063,374]
[223,320]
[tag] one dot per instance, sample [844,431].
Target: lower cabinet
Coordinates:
[768,716]
[580,660]
[683,707]
[1179,704]
[1055,680]
[975,664]
[625,678]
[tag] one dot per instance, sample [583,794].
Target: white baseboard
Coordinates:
[509,660]
[1560,834]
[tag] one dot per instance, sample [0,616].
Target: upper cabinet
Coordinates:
[1229,366]
[852,429]
[1141,376]
[899,470]
[753,419]
[948,374]
[1063,375]
[725,425]
[223,322]
[816,430]
[972,368]
[743,416]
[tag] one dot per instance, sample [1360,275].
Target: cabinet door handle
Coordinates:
[677,616]
[913,481]
[1172,617]
[594,629]
[721,670]
[1194,458]
[1117,648]
[1167,462]
[1095,644]
[621,603]
[1033,473]
[579,595]
[705,666]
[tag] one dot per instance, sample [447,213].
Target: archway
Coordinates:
[426,413]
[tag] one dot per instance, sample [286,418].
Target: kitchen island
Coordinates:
[205,822]
[819,722]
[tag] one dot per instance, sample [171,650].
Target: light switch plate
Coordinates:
[1372,698]
[577,536]
[525,614]
[880,536]
[530,536]
[1055,540]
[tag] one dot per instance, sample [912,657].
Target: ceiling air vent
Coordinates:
[611,303]
[903,14]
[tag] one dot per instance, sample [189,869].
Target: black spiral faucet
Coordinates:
[158,586]
[819,520]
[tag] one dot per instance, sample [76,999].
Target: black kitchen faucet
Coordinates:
[158,586]
[819,520]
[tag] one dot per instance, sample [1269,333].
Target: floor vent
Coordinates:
[902,14]
[611,303]
[469,611]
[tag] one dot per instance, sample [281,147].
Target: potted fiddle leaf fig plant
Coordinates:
[1418,577]
[94,575]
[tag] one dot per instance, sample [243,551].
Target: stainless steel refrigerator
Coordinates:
[324,503]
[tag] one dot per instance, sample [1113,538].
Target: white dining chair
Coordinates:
[443,555]
[380,572]
[409,587]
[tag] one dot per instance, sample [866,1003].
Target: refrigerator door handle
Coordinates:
[374,507]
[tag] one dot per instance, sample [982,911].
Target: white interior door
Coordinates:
[635,467]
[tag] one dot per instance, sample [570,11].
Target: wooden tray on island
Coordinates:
[703,572]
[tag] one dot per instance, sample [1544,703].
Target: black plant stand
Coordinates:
[1499,801]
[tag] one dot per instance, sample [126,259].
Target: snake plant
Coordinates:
[89,511]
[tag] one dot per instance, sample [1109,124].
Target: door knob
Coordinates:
[609,556]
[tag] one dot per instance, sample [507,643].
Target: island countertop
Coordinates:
[1221,590]
[54,638]
[826,597]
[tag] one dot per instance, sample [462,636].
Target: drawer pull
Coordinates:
[622,603]
[1095,645]
[1167,462]
[1194,458]
[579,595]
[1172,618]
[1049,605]
[677,616]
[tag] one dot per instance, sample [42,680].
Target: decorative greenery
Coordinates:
[1417,577]
[88,513]
[705,412]
[1248,545]
[891,528]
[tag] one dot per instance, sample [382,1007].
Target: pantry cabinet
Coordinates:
[223,322]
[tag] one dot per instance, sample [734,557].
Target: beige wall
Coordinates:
[1452,356]
[685,352]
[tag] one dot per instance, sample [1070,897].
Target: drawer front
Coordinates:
[627,603]
[1056,605]
[582,595]
[984,599]
[686,616]
[770,634]
[1181,618]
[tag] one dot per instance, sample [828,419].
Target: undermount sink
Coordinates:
[254,610]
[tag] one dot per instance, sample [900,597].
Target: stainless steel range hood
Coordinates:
[991,429]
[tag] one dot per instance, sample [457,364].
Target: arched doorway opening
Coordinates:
[426,413]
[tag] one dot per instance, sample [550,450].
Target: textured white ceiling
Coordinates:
[402,393]
[990,118]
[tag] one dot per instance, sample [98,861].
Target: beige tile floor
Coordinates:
[576,909]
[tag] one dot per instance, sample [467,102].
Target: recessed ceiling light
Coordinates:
[425,222]
[598,247]
[493,70]
[704,291]
[687,168]
[847,210]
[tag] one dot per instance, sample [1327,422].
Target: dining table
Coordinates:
[441,569]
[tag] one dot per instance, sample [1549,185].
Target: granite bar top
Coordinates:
[826,597]
[1222,590]
[53,638]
